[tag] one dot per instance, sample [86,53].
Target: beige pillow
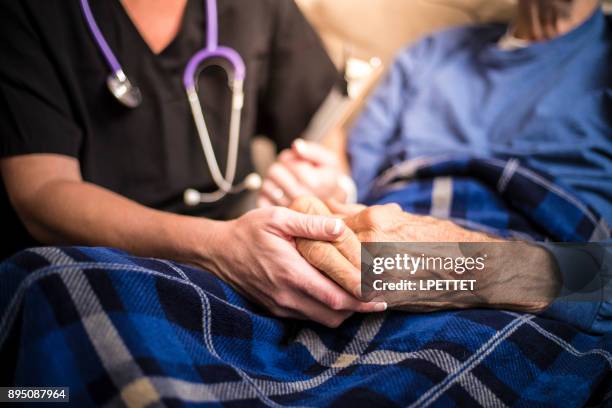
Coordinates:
[379,28]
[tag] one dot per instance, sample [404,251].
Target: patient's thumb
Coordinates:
[315,227]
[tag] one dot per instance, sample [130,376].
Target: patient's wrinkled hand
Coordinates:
[389,223]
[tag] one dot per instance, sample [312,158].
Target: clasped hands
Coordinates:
[520,276]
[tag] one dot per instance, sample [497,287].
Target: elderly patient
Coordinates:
[535,94]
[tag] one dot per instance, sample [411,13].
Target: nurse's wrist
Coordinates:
[198,241]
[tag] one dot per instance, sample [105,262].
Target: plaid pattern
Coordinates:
[120,330]
[499,196]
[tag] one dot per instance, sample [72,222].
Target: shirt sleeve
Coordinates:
[585,300]
[35,114]
[300,77]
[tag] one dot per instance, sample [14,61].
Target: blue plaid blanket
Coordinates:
[120,330]
[499,196]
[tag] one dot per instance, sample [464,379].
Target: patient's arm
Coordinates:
[520,276]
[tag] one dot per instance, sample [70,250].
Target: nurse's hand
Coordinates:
[257,255]
[307,169]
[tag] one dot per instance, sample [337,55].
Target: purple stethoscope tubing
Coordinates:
[110,58]
[129,95]
[213,50]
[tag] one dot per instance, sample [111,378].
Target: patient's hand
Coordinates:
[389,223]
[517,287]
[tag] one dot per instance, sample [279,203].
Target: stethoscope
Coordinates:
[130,96]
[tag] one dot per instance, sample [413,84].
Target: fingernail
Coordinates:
[334,226]
[380,307]
[337,226]
[299,145]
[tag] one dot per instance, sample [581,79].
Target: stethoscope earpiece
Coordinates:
[192,197]
[253,182]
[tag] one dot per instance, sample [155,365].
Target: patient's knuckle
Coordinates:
[378,214]
[393,207]
[369,215]
[302,204]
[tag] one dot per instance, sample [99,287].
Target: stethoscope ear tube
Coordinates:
[236,83]
[225,182]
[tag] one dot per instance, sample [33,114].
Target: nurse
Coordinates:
[79,168]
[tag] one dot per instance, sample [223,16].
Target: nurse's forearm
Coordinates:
[59,208]
[85,214]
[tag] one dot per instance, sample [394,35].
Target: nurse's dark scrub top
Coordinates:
[54,99]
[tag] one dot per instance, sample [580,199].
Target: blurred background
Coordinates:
[362,37]
[378,28]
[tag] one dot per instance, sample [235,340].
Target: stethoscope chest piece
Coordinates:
[123,90]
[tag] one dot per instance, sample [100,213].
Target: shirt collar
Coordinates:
[515,49]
